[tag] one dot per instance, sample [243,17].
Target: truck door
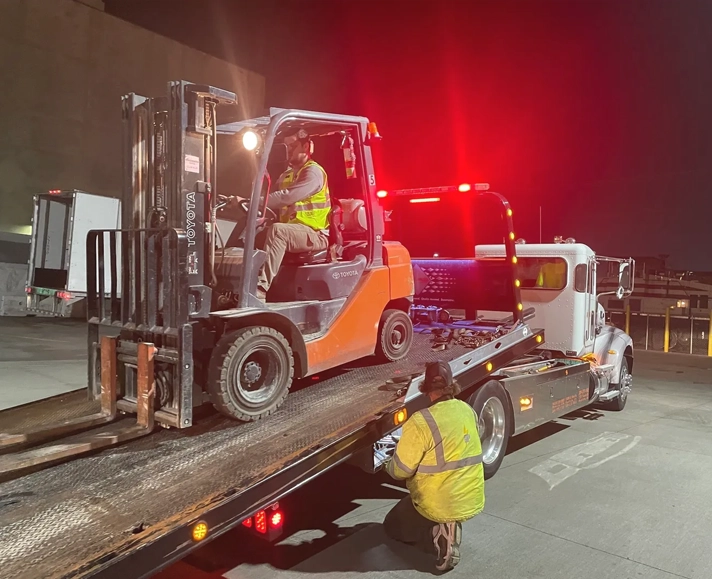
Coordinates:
[591,303]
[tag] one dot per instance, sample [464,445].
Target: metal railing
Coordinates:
[666,332]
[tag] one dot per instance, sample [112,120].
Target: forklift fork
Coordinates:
[77,442]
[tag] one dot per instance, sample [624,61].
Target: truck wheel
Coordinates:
[625,383]
[251,371]
[495,427]
[395,335]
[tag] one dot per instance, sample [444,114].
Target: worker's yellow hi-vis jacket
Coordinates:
[313,211]
[440,456]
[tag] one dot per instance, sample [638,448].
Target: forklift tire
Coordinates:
[395,336]
[251,371]
[491,404]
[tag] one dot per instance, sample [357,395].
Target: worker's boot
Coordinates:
[446,538]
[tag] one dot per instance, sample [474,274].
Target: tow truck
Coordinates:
[141,471]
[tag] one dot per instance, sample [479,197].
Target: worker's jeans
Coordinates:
[287,237]
[403,523]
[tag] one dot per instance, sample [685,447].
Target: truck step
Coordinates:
[610,395]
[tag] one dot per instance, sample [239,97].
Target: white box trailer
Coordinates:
[56,276]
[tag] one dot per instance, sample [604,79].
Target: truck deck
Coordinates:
[128,510]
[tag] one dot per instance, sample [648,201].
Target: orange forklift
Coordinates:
[174,321]
[188,262]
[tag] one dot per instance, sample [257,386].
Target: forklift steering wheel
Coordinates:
[270,217]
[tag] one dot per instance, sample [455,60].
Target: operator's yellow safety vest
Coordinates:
[313,211]
[440,456]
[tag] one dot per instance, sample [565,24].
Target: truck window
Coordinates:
[549,273]
[581,278]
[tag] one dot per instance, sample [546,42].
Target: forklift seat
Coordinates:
[354,218]
[347,221]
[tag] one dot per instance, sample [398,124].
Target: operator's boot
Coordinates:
[446,538]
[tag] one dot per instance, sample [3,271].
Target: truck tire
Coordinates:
[625,381]
[395,336]
[495,427]
[251,371]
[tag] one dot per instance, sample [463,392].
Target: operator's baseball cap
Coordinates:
[299,133]
[437,369]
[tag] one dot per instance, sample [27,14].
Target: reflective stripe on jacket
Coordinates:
[440,456]
[313,211]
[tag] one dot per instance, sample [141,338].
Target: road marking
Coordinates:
[565,464]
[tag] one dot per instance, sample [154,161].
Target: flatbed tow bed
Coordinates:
[129,511]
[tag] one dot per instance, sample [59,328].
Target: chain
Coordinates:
[442,337]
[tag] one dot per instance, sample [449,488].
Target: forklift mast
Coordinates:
[170,168]
[161,251]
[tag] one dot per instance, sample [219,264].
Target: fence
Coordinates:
[666,333]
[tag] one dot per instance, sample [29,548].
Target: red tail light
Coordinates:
[276,519]
[247,523]
[261,522]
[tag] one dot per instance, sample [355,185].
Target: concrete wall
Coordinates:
[64,66]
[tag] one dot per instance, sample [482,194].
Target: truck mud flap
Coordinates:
[53,450]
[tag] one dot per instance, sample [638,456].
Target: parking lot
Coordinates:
[594,495]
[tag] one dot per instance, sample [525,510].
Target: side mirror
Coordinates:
[624,277]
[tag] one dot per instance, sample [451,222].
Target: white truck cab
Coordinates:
[558,280]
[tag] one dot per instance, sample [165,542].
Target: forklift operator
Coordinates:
[303,204]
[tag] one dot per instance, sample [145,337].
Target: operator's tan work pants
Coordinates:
[287,237]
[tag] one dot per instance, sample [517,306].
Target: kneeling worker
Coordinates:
[439,454]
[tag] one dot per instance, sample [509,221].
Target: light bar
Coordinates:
[425,200]
[462,188]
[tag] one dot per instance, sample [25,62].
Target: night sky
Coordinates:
[599,112]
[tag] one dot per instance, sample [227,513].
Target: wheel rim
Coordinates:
[626,384]
[255,376]
[492,427]
[397,336]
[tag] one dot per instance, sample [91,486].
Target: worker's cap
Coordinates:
[438,375]
[299,134]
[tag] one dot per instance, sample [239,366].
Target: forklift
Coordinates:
[174,319]
[186,292]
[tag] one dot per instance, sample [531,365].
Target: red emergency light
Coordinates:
[55,191]
[381,194]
